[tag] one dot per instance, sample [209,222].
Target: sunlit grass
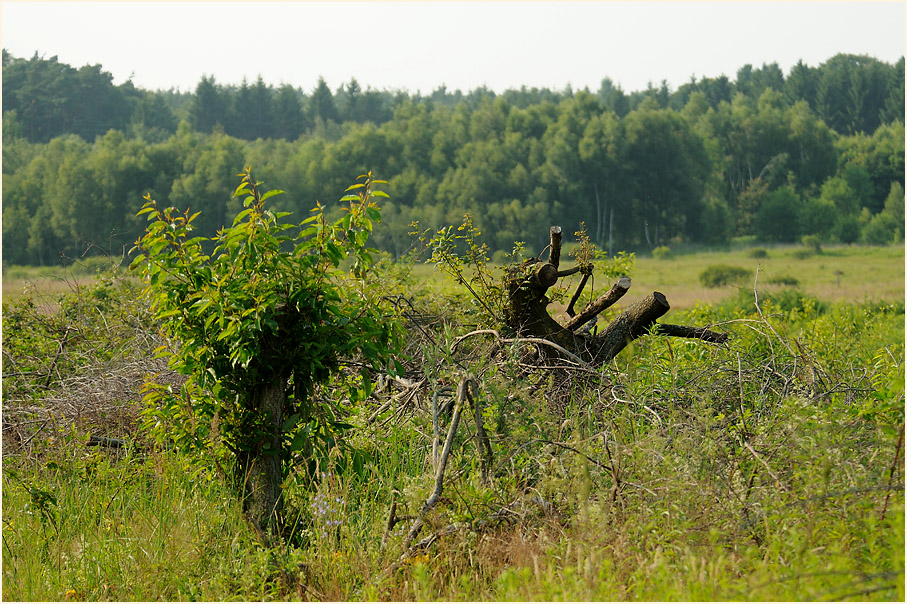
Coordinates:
[766,469]
[847,273]
[844,273]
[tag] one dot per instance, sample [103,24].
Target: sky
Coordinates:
[420,46]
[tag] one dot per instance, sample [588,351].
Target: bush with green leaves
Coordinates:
[256,324]
[662,252]
[784,280]
[813,242]
[719,275]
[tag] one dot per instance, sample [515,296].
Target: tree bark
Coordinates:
[634,322]
[606,301]
[262,467]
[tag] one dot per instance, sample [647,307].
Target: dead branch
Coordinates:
[483,444]
[605,301]
[542,341]
[554,252]
[527,314]
[462,394]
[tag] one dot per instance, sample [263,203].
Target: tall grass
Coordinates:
[770,468]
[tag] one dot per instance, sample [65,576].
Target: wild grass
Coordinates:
[853,274]
[770,468]
[838,274]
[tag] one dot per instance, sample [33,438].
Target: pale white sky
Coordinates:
[418,46]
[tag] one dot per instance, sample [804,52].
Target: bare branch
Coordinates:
[554,253]
[617,291]
[699,333]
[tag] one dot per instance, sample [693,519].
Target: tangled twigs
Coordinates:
[409,390]
[462,394]
[541,341]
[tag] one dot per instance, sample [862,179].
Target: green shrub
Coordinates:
[785,280]
[846,229]
[14,272]
[662,252]
[95,264]
[718,275]
[881,229]
[269,307]
[813,242]
[802,253]
[788,300]
[785,300]
[499,257]
[757,252]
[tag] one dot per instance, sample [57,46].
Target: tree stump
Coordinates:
[527,313]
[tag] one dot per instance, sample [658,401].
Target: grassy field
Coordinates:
[768,468]
[47,283]
[837,274]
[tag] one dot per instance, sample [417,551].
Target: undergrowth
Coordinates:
[770,468]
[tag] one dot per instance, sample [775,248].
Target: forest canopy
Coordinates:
[819,152]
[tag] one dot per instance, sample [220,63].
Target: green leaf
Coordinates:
[271,194]
[290,422]
[241,190]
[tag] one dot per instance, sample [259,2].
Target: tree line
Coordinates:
[818,152]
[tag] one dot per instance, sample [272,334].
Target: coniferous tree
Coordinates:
[322,103]
[288,119]
[209,106]
[801,84]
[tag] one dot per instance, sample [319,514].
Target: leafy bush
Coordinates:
[846,228]
[813,242]
[662,252]
[95,264]
[777,218]
[257,325]
[719,275]
[499,257]
[802,253]
[788,300]
[784,280]
[881,229]
[757,252]
[15,272]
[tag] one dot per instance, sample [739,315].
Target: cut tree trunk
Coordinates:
[527,313]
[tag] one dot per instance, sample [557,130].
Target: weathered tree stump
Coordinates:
[527,313]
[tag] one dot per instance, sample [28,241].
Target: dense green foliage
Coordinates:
[819,152]
[718,275]
[268,310]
